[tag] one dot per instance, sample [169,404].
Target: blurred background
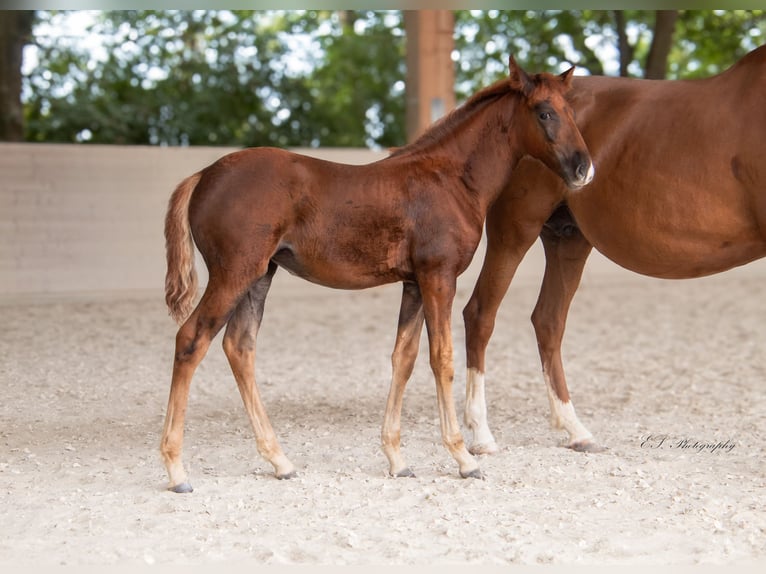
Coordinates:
[102,113]
[314,78]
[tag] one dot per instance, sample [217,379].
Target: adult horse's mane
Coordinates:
[450,122]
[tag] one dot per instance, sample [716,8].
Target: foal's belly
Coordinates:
[340,270]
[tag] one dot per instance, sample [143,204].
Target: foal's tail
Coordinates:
[181,277]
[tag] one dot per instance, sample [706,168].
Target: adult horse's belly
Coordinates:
[668,229]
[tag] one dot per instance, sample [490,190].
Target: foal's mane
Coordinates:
[449,123]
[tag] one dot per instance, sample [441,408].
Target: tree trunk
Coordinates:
[623,46]
[15,32]
[657,59]
[347,18]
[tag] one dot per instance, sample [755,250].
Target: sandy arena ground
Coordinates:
[84,384]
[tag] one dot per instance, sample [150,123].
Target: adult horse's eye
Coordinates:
[545,116]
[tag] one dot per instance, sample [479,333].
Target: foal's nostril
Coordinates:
[584,172]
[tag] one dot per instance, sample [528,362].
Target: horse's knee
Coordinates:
[442,365]
[549,330]
[470,311]
[478,325]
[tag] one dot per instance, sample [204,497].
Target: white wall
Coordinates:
[86,220]
[89,218]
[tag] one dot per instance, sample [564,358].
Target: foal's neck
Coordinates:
[490,148]
[479,143]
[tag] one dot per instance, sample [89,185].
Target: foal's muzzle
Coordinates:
[582,171]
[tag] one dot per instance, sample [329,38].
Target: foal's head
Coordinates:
[547,124]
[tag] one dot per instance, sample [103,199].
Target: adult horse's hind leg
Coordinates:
[566,251]
[239,346]
[402,363]
[192,342]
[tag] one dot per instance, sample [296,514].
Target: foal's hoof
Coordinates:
[405,473]
[286,476]
[475,473]
[586,446]
[182,488]
[483,448]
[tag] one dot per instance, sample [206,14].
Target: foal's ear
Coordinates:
[566,77]
[519,79]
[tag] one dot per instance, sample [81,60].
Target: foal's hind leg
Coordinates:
[402,363]
[239,346]
[192,342]
[565,257]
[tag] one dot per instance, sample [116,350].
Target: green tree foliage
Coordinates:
[297,78]
[704,42]
[356,92]
[710,41]
[222,78]
[155,83]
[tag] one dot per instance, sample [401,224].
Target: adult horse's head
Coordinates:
[548,124]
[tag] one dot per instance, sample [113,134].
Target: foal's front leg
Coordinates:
[438,293]
[402,363]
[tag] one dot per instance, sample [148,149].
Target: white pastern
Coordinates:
[475,415]
[563,416]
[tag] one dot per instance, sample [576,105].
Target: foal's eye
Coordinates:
[545,116]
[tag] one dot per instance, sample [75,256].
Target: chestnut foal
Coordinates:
[415,217]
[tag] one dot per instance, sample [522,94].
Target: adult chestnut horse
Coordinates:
[680,193]
[415,217]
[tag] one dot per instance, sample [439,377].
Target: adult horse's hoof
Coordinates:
[286,476]
[405,473]
[483,448]
[182,488]
[586,446]
[476,473]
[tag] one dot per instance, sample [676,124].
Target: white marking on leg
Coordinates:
[563,416]
[475,415]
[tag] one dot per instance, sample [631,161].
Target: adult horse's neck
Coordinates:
[478,142]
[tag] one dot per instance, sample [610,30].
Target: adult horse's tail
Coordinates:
[181,277]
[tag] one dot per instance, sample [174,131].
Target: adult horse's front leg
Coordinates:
[438,293]
[506,247]
[239,346]
[402,363]
[565,256]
